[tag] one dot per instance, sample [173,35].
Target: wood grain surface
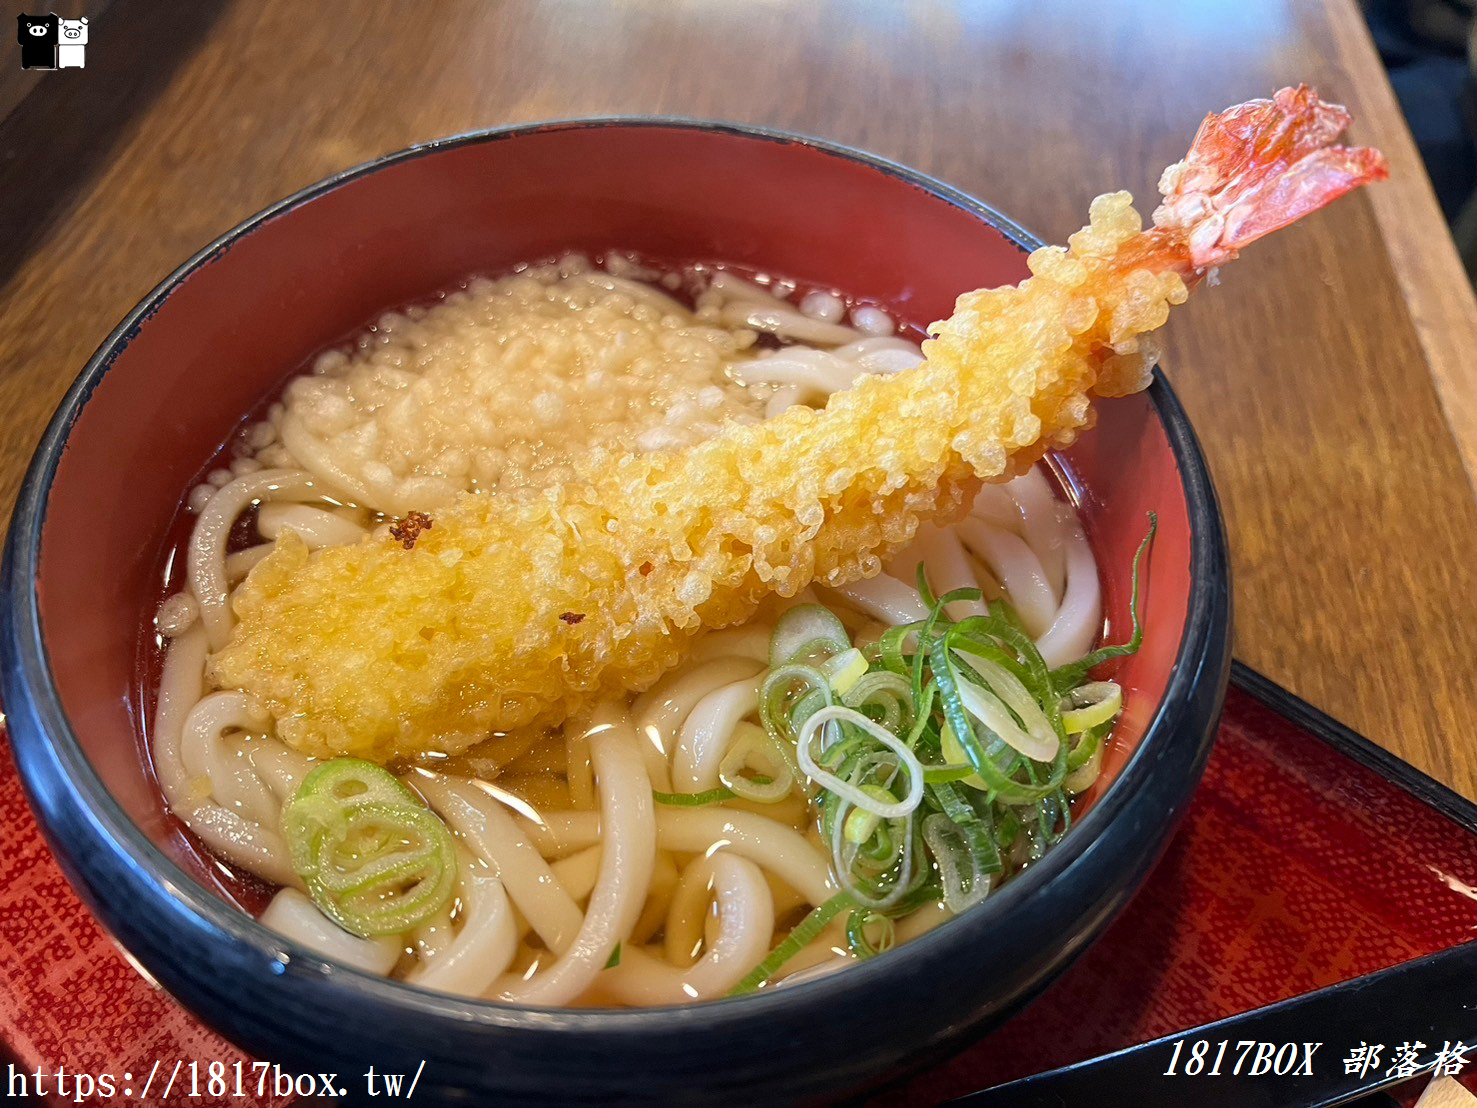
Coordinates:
[1316,375]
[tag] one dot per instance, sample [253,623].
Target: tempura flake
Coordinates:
[384,652]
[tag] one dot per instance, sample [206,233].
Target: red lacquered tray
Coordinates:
[1307,857]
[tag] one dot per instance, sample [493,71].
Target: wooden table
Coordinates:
[1330,378]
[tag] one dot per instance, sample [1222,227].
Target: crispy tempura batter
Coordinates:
[384,652]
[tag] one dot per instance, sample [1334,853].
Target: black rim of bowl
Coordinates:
[29,689]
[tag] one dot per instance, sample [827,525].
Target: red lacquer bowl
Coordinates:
[209,344]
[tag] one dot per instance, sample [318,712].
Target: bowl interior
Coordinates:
[211,345]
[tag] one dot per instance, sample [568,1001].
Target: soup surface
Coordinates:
[849,769]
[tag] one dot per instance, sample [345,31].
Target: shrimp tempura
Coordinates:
[507,613]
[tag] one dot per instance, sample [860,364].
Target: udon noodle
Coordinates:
[878,749]
[586,872]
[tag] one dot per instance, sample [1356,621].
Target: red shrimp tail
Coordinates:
[1312,182]
[1257,167]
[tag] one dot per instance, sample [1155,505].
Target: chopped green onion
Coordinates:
[804,630]
[615,957]
[355,780]
[1084,777]
[1093,704]
[942,758]
[984,848]
[374,859]
[857,939]
[925,588]
[1026,728]
[922,715]
[862,822]
[849,717]
[801,935]
[1087,744]
[844,670]
[783,709]
[996,780]
[988,705]
[693,800]
[766,788]
[1071,675]
[947,774]
[885,693]
[962,873]
[890,648]
[953,750]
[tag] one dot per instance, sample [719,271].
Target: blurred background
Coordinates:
[1430,50]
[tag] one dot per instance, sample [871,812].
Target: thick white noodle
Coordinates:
[560,834]
[281,767]
[658,769]
[433,938]
[866,352]
[228,834]
[734,288]
[177,614]
[629,845]
[748,641]
[484,946]
[707,732]
[206,754]
[996,506]
[1018,570]
[242,562]
[579,872]
[947,564]
[781,850]
[313,455]
[809,375]
[293,916]
[885,597]
[658,713]
[786,396]
[238,840]
[314,526]
[491,833]
[824,306]
[745,928]
[685,928]
[664,877]
[872,321]
[1080,617]
[207,557]
[638,291]
[181,684]
[1042,517]
[787,323]
[891,361]
[814,373]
